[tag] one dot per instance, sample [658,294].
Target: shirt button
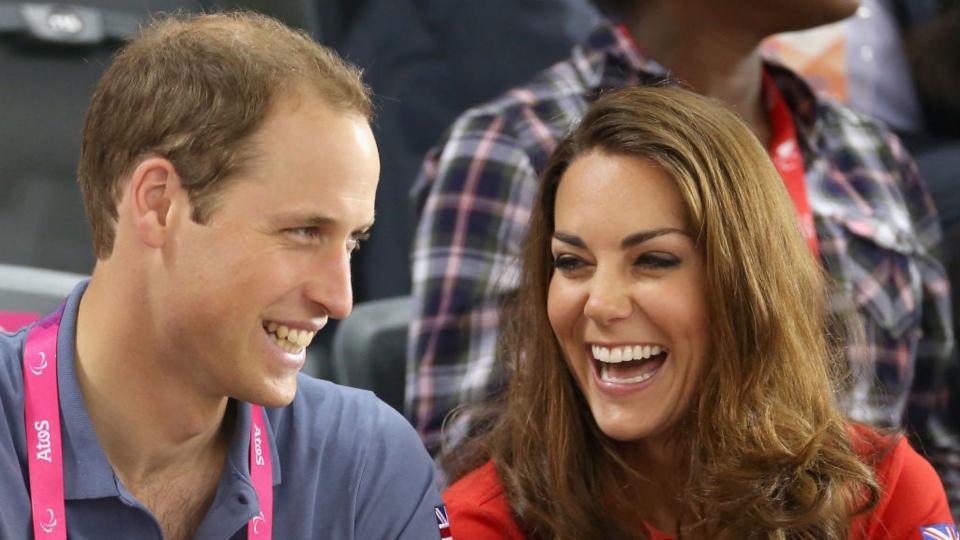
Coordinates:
[864,12]
[866,53]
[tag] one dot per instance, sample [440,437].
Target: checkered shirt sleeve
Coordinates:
[481,188]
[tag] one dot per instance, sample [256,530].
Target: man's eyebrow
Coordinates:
[303,218]
[316,220]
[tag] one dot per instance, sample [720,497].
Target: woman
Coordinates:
[672,366]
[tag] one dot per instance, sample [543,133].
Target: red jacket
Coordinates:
[912,502]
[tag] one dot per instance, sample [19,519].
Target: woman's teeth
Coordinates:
[627,353]
[628,364]
[606,376]
[289,340]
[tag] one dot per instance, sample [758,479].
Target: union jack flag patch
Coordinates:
[944,531]
[443,522]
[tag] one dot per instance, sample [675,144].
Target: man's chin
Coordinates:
[276,394]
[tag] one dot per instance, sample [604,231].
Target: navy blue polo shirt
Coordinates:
[345,464]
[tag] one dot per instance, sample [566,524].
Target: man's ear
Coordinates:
[154,188]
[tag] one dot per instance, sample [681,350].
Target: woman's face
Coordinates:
[626,300]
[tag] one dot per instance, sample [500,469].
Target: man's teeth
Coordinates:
[625,354]
[290,340]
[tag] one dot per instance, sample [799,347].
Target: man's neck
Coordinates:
[147,417]
[716,60]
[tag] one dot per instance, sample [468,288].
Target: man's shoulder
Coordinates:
[344,448]
[343,416]
[14,491]
[11,371]
[321,401]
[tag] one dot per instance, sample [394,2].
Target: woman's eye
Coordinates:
[657,261]
[567,263]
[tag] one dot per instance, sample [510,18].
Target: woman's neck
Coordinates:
[660,479]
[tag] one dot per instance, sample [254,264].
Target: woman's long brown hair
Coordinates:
[767,452]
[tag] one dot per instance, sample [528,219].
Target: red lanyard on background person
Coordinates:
[785,153]
[44,443]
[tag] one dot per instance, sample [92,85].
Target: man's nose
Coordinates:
[329,284]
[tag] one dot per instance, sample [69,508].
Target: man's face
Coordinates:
[245,292]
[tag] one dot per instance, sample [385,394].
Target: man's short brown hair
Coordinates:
[194,89]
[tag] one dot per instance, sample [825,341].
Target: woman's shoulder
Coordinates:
[912,501]
[479,486]
[478,507]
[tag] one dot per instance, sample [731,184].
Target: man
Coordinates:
[228,171]
[865,213]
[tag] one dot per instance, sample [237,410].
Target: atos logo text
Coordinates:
[257,446]
[44,449]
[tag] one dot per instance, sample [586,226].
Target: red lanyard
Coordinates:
[786,156]
[42,420]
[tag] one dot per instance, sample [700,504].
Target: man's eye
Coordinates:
[567,263]
[303,232]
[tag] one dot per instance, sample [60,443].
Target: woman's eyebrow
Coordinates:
[630,241]
[638,238]
[570,239]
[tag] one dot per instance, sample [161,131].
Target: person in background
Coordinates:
[897,61]
[865,212]
[672,365]
[427,61]
[228,171]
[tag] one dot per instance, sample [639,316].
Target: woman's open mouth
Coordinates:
[627,364]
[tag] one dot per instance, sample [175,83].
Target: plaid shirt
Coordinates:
[876,224]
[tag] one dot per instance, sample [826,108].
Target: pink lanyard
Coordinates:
[42,421]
